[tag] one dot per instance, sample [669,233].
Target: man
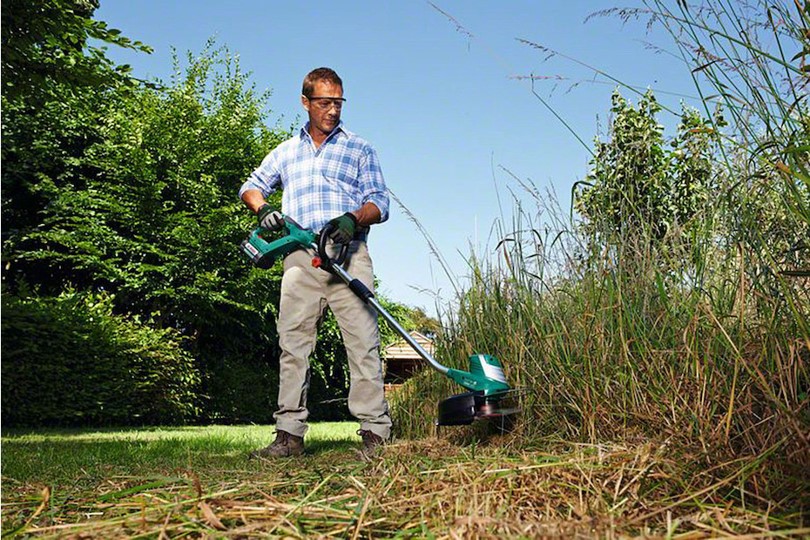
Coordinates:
[331,181]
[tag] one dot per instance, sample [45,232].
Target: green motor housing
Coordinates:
[264,254]
[485,375]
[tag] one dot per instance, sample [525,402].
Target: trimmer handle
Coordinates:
[263,251]
[323,260]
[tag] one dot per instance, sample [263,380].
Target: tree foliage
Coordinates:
[144,207]
[51,42]
[639,187]
[129,191]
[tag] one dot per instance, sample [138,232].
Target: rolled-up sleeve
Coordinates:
[266,178]
[371,182]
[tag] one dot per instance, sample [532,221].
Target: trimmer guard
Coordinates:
[464,409]
[459,410]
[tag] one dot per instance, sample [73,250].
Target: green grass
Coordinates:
[76,469]
[70,455]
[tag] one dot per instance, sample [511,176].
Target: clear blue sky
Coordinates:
[442,107]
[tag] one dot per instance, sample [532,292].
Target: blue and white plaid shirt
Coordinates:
[321,184]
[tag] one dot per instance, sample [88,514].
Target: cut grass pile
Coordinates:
[197,482]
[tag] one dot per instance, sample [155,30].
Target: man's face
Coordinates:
[324,106]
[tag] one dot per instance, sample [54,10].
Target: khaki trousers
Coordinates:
[305,293]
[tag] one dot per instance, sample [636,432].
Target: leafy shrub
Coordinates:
[637,184]
[68,360]
[134,191]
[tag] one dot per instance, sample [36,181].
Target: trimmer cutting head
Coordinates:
[464,409]
[488,387]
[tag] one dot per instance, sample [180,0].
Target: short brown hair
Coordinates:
[320,74]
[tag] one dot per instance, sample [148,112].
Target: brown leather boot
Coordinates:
[371,443]
[285,445]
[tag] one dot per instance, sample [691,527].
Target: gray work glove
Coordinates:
[270,218]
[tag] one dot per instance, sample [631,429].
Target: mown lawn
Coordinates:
[196,482]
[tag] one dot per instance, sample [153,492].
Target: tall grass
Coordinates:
[621,350]
[703,346]
[752,58]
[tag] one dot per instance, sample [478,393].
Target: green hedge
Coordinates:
[70,361]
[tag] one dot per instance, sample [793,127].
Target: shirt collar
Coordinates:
[338,129]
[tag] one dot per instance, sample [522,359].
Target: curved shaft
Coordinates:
[345,276]
[407,337]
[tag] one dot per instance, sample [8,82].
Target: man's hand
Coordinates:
[270,218]
[341,229]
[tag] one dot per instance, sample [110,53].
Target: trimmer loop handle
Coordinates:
[326,262]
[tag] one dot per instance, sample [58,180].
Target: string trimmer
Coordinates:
[485,381]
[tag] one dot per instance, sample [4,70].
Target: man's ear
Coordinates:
[305,102]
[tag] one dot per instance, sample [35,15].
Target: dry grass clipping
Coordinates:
[419,489]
